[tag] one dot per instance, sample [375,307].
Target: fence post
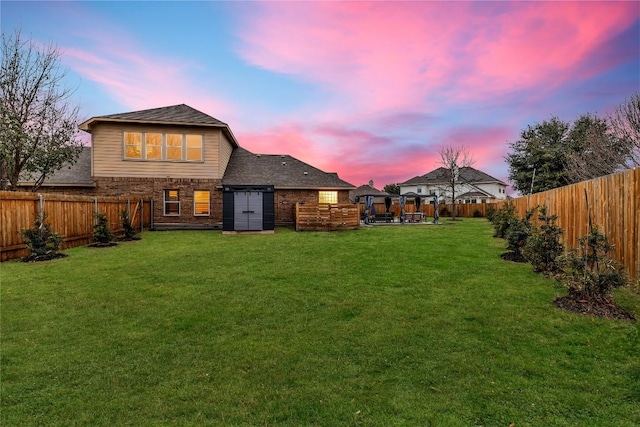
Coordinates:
[141,215]
[41,209]
[95,211]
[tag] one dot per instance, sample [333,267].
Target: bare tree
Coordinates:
[452,160]
[625,125]
[38,123]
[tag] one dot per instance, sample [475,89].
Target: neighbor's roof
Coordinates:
[281,171]
[439,176]
[182,115]
[76,175]
[367,190]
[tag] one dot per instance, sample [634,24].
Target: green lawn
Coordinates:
[384,326]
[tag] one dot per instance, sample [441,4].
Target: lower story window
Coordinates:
[171,202]
[201,202]
[328,197]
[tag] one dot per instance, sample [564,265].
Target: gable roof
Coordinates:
[76,175]
[281,171]
[182,115]
[439,176]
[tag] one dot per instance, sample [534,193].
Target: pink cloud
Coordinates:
[381,56]
[135,77]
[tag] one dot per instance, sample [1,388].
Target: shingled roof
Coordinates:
[182,115]
[76,175]
[440,176]
[281,171]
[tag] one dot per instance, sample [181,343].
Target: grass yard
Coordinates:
[384,326]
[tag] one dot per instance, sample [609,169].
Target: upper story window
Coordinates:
[160,146]
[133,145]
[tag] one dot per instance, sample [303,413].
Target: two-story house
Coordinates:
[194,170]
[473,186]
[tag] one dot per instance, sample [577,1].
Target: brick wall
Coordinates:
[285,202]
[153,188]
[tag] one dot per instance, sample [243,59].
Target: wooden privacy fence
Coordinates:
[466,210]
[73,217]
[614,205]
[325,217]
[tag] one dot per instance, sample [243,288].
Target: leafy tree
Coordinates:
[392,188]
[595,150]
[38,123]
[452,160]
[536,162]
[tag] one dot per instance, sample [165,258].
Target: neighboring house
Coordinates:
[474,186]
[193,169]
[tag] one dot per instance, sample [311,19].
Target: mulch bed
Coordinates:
[596,306]
[45,257]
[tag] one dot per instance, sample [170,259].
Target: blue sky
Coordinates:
[369,90]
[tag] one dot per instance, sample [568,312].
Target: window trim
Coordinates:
[166,202]
[195,203]
[164,148]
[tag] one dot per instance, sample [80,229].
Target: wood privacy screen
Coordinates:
[614,204]
[325,217]
[73,217]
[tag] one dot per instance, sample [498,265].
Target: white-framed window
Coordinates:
[156,146]
[153,146]
[171,202]
[133,145]
[201,202]
[328,197]
[194,147]
[174,146]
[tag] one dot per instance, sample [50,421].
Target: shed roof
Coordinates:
[281,171]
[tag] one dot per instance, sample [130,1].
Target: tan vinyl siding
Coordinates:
[108,154]
[226,148]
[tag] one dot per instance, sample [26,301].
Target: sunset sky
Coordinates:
[369,90]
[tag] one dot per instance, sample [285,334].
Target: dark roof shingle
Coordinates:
[281,171]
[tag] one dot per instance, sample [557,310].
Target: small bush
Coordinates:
[587,270]
[517,232]
[41,241]
[491,211]
[125,220]
[101,231]
[477,214]
[543,248]
[502,219]
[444,211]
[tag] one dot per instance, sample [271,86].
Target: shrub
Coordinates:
[517,232]
[101,231]
[477,214]
[543,248]
[444,211]
[40,240]
[125,220]
[491,211]
[587,270]
[502,218]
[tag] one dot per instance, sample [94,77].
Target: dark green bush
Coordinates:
[477,214]
[40,240]
[491,211]
[517,232]
[444,211]
[125,220]
[502,218]
[588,271]
[101,231]
[544,247]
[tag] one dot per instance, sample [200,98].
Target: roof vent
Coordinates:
[282,156]
[258,155]
[306,173]
[284,163]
